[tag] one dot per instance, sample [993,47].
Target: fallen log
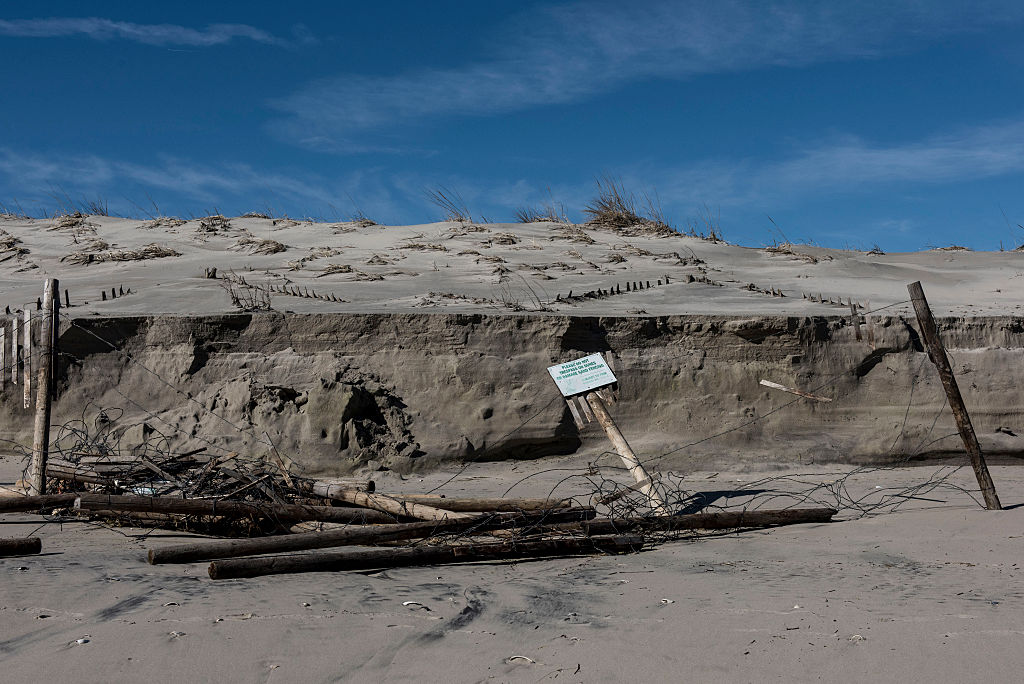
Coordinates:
[471,504]
[705,521]
[16,504]
[230,548]
[20,547]
[538,517]
[380,502]
[229,509]
[334,561]
[70,474]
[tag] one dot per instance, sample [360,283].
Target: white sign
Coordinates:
[582,375]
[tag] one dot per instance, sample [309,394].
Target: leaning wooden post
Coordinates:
[41,436]
[3,352]
[583,380]
[636,468]
[937,353]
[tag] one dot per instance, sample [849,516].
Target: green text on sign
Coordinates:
[582,375]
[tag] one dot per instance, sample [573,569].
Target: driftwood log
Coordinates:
[20,547]
[16,504]
[706,521]
[380,502]
[471,504]
[373,534]
[229,509]
[333,561]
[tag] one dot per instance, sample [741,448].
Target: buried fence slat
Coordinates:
[334,561]
[20,547]
[373,534]
[937,353]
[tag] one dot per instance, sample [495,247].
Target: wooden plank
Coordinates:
[791,390]
[576,417]
[44,383]
[335,561]
[937,353]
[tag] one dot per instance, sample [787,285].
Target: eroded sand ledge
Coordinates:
[407,391]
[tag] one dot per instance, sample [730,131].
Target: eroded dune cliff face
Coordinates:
[336,392]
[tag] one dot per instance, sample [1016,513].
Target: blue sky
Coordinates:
[850,124]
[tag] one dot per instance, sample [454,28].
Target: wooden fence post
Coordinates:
[14,350]
[41,435]
[937,353]
[26,355]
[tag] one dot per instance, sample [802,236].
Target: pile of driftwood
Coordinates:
[277,522]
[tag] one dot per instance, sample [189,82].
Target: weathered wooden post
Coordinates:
[41,435]
[937,353]
[26,355]
[582,380]
[3,352]
[14,350]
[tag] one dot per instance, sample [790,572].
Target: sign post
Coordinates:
[585,380]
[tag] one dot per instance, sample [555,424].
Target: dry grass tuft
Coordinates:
[505,239]
[574,234]
[707,225]
[9,248]
[424,247]
[617,210]
[162,222]
[213,224]
[153,251]
[451,203]
[259,246]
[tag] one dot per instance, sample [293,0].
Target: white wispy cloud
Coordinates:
[831,168]
[566,53]
[849,165]
[151,34]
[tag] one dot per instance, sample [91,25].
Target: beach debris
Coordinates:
[520,657]
[151,251]
[791,390]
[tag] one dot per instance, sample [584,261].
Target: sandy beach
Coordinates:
[930,591]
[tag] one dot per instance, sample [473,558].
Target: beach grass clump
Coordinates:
[617,209]
[151,251]
[451,203]
[259,246]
